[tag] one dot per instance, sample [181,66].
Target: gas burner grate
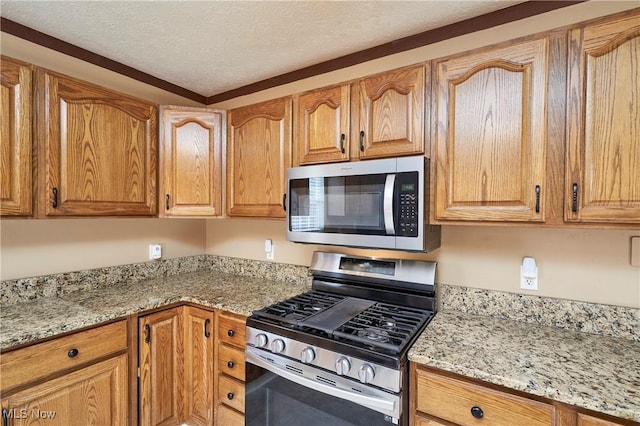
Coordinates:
[298,308]
[384,326]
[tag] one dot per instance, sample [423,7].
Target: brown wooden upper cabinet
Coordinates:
[15,138]
[390,114]
[378,116]
[491,134]
[191,161]
[258,155]
[322,123]
[98,150]
[603,130]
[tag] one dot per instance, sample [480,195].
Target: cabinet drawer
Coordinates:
[453,400]
[231,392]
[231,330]
[231,361]
[227,417]
[45,359]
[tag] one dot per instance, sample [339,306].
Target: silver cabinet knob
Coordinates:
[307,355]
[366,373]
[342,366]
[261,340]
[277,346]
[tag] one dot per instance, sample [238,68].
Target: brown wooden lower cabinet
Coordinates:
[77,379]
[230,375]
[228,417]
[94,395]
[176,362]
[442,400]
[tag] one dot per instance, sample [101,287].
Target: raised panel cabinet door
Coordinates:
[15,138]
[322,122]
[161,368]
[199,362]
[98,150]
[603,112]
[391,114]
[258,155]
[491,109]
[94,395]
[191,161]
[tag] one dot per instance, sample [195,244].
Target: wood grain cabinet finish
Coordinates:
[231,369]
[199,364]
[322,123]
[176,362]
[603,131]
[161,368]
[586,420]
[94,395]
[77,379]
[491,108]
[191,161]
[98,150]
[389,117]
[464,403]
[258,155]
[16,89]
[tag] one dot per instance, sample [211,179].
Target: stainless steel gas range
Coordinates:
[337,355]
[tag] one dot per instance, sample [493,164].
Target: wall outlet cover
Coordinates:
[635,251]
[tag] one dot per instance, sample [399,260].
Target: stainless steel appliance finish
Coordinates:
[347,339]
[375,204]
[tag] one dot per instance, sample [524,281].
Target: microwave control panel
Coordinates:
[407,209]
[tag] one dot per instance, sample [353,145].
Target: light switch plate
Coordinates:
[635,251]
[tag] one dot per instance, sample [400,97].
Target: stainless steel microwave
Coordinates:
[381,204]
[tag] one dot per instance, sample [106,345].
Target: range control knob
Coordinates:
[277,346]
[366,373]
[261,340]
[342,366]
[307,355]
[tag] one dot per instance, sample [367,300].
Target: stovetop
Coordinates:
[346,321]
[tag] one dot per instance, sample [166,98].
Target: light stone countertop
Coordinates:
[590,371]
[27,322]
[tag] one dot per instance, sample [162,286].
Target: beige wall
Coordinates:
[586,265]
[583,265]
[38,247]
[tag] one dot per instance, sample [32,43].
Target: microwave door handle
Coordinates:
[389,184]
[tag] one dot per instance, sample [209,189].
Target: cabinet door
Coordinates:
[99,150]
[322,122]
[15,138]
[391,111]
[161,368]
[491,137]
[94,395]
[258,154]
[198,365]
[191,161]
[603,113]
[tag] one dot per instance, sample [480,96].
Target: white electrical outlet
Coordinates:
[635,251]
[528,274]
[155,251]
[269,249]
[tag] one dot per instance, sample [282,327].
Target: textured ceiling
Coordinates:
[210,47]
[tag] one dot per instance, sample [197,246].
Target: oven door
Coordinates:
[283,392]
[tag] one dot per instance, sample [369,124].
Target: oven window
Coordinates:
[274,401]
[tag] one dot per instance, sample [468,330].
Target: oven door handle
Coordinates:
[389,184]
[379,404]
